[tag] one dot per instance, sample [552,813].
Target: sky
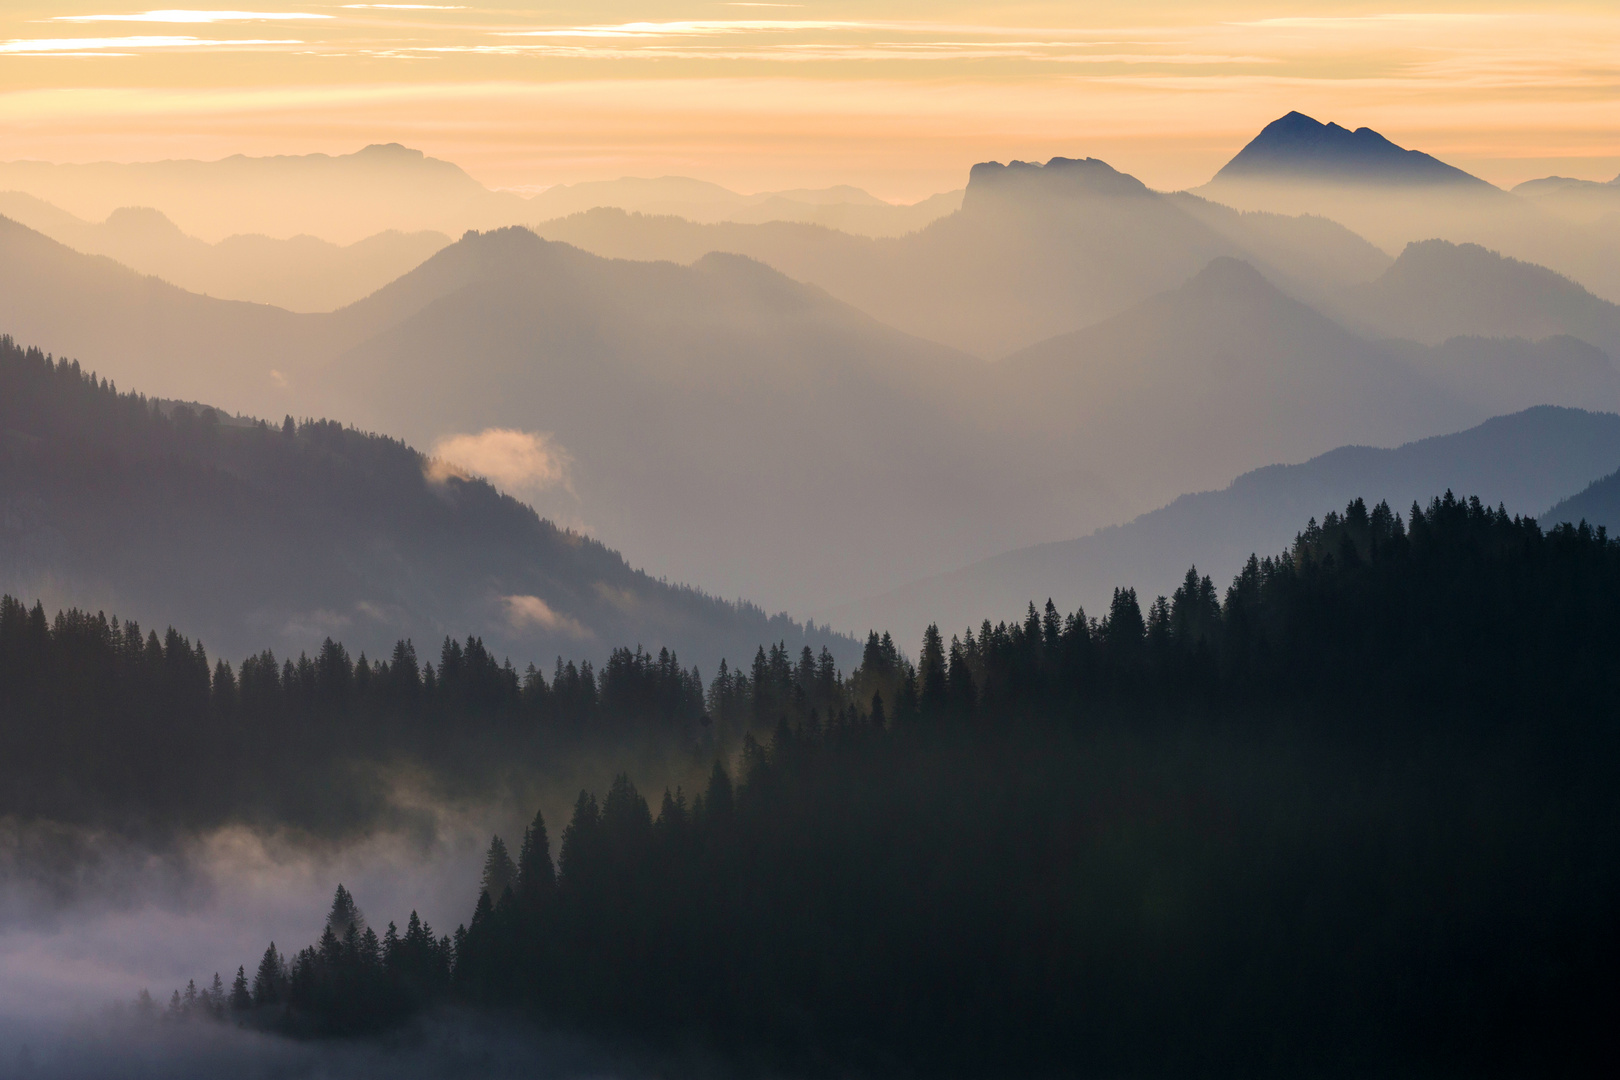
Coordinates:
[897,96]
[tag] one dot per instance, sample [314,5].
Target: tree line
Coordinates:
[1354,813]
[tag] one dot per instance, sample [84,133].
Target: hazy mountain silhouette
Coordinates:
[303,273]
[1036,250]
[346,198]
[1492,375]
[140,330]
[1598,504]
[341,199]
[1524,461]
[1394,197]
[724,423]
[847,208]
[1593,203]
[1437,290]
[1298,147]
[650,375]
[1215,377]
[646,377]
[256,535]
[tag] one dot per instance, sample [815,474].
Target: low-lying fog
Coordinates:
[89,920]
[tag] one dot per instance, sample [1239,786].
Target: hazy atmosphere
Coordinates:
[809,539]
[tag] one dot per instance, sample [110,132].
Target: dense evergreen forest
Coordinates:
[1356,814]
[252,534]
[108,724]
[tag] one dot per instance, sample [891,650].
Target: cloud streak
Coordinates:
[178,15]
[117,45]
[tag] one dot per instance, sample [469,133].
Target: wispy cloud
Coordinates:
[405,7]
[116,45]
[526,611]
[688,28]
[519,461]
[177,15]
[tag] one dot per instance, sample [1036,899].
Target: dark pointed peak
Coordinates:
[1060,178]
[1299,147]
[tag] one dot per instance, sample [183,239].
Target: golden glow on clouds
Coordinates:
[900,96]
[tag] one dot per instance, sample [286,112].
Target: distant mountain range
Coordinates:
[303,273]
[647,376]
[1184,343]
[1036,250]
[847,209]
[346,198]
[1527,461]
[256,535]
[341,199]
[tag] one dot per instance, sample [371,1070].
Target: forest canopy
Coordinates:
[1354,810]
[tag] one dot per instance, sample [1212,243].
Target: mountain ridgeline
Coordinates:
[1059,846]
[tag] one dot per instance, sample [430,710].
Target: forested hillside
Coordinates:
[1354,814]
[255,535]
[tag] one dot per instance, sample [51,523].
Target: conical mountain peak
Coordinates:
[1300,147]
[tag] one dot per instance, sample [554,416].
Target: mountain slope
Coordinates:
[1437,290]
[1524,460]
[721,421]
[1215,377]
[143,331]
[1296,147]
[256,535]
[1036,250]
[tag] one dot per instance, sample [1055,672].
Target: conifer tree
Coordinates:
[269,982]
[500,873]
[536,876]
[241,996]
[344,913]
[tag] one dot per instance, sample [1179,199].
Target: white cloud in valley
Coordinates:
[521,462]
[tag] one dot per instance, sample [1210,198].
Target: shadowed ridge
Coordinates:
[1299,147]
[1525,460]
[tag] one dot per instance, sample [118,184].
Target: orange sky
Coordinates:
[899,96]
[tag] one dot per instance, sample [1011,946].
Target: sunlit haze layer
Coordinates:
[898,96]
